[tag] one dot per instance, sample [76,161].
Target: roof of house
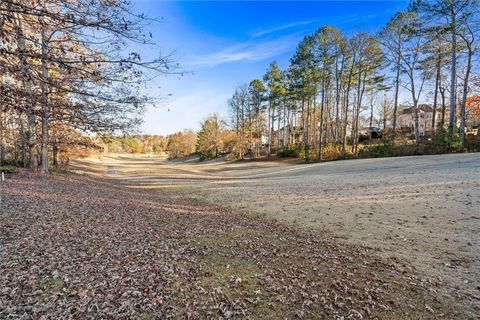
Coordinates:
[421,107]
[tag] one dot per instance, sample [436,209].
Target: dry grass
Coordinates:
[83,248]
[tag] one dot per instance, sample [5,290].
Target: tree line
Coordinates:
[212,140]
[67,65]
[335,86]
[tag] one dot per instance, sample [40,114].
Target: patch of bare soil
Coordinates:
[74,247]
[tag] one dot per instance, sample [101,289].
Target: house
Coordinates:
[406,119]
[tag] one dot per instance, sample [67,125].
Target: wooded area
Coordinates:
[122,232]
[339,90]
[69,79]
[66,68]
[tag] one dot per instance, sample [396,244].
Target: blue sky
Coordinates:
[227,43]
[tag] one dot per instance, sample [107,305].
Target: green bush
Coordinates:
[232,157]
[384,148]
[290,152]
[344,156]
[207,154]
[443,142]
[8,169]
[453,141]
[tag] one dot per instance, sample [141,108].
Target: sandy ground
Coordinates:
[424,210]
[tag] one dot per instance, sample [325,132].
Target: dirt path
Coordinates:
[424,210]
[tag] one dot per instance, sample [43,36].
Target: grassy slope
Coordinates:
[75,246]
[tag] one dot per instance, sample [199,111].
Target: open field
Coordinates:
[73,247]
[421,210]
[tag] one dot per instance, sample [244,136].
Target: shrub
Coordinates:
[382,149]
[207,154]
[290,152]
[443,142]
[346,156]
[332,151]
[472,142]
[232,157]
[132,145]
[306,154]
[8,169]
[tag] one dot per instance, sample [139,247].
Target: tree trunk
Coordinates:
[349,85]
[279,115]
[453,76]
[345,122]
[360,90]
[307,143]
[417,127]
[302,118]
[415,111]
[444,109]
[357,119]
[435,96]
[31,141]
[384,115]
[258,129]
[29,137]
[288,128]
[269,149]
[345,117]
[338,97]
[272,123]
[242,131]
[322,108]
[55,153]
[2,135]
[46,102]
[464,96]
[24,144]
[397,89]
[415,105]
[284,123]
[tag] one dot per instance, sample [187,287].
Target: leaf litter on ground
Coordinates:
[77,248]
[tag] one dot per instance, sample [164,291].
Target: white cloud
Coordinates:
[355,18]
[283,27]
[258,50]
[247,51]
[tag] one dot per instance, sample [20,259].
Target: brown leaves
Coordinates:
[73,247]
[429,309]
